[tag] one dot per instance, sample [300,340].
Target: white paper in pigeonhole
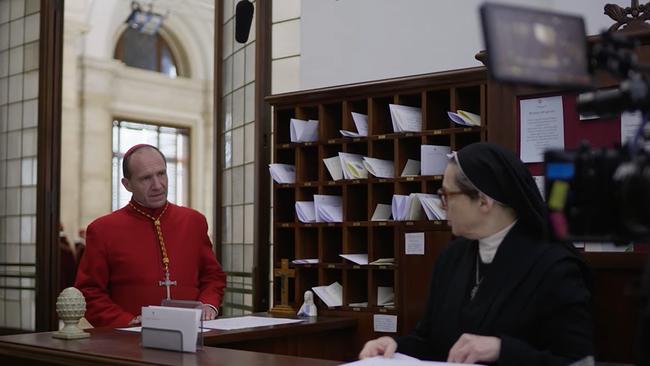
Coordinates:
[414,243]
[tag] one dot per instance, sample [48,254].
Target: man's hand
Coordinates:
[208,312]
[135,321]
[381,346]
[471,348]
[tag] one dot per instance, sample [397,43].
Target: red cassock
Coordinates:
[122,264]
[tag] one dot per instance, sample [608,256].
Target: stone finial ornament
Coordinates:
[70,306]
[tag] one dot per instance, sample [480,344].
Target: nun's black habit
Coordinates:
[533,296]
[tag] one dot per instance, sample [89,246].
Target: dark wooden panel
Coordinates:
[49,162]
[111,347]
[303,339]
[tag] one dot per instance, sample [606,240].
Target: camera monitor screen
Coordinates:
[534,47]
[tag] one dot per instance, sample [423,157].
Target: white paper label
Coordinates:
[414,243]
[385,323]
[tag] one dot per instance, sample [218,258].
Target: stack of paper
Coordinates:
[465,118]
[328,208]
[361,122]
[305,261]
[399,206]
[331,295]
[305,211]
[333,165]
[432,206]
[303,131]
[412,168]
[379,168]
[352,165]
[416,205]
[434,159]
[248,321]
[363,304]
[383,262]
[382,212]
[405,118]
[385,296]
[283,173]
[608,247]
[406,208]
[356,258]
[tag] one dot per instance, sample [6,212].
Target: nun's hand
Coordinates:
[381,346]
[471,348]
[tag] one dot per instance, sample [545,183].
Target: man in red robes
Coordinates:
[147,251]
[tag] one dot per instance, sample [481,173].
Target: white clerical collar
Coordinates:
[487,247]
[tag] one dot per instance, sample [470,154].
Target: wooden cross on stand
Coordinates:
[284,272]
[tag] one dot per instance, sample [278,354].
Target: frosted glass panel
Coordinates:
[13,230]
[18,164]
[13,144]
[31,85]
[237,224]
[17,9]
[32,27]
[15,88]
[4,35]
[17,32]
[13,173]
[32,6]
[4,11]
[28,201]
[30,113]
[238,185]
[15,60]
[248,218]
[226,182]
[249,147]
[238,107]
[14,116]
[249,108]
[249,182]
[238,147]
[238,69]
[27,229]
[13,201]
[30,142]
[4,63]
[30,56]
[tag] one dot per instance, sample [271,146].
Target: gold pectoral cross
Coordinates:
[167,283]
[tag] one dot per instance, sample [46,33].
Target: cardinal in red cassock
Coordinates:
[135,255]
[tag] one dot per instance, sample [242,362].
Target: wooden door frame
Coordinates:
[49,163]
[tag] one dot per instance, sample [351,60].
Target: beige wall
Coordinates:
[285,53]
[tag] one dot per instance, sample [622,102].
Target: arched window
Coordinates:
[147,51]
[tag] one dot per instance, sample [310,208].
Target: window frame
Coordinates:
[161,42]
[158,126]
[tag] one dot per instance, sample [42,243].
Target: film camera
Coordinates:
[591,194]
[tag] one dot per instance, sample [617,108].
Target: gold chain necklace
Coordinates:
[163,250]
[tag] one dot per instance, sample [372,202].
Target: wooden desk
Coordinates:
[111,347]
[320,337]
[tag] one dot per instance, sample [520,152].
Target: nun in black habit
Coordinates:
[499,293]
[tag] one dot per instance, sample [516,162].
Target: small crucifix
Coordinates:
[167,283]
[284,272]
